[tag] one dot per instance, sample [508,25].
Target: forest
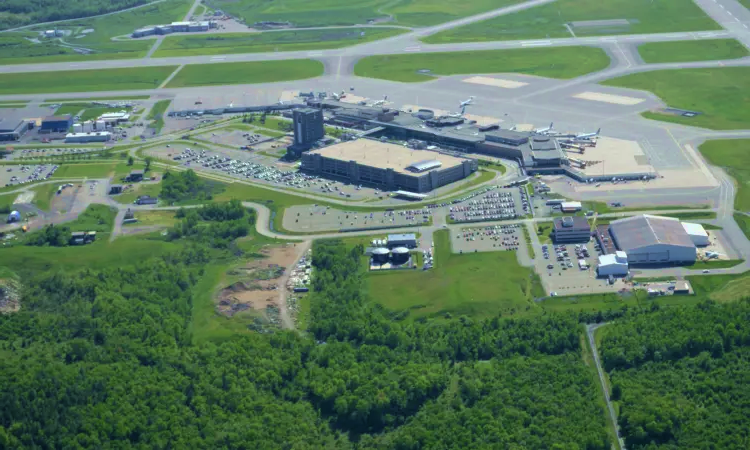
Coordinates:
[105,357]
[16,13]
[681,376]
[179,187]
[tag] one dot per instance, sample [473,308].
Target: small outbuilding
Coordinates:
[14,216]
[614,264]
[697,233]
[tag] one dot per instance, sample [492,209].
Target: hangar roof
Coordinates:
[645,230]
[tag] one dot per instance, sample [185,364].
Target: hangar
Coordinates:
[653,240]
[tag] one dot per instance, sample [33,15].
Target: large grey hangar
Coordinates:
[653,240]
[389,166]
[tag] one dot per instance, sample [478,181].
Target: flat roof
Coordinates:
[578,223]
[56,118]
[384,155]
[644,230]
[402,237]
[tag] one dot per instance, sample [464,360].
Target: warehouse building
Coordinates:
[571,230]
[653,240]
[13,128]
[387,166]
[102,136]
[408,240]
[697,233]
[615,264]
[174,27]
[56,124]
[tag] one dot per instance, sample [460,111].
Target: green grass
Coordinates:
[44,194]
[275,41]
[245,73]
[720,94]
[95,99]
[721,288]
[157,114]
[743,221]
[714,264]
[154,218]
[99,218]
[733,155]
[564,62]
[543,231]
[474,284]
[153,189]
[84,80]
[686,51]
[15,49]
[548,21]
[100,254]
[527,238]
[331,12]
[93,170]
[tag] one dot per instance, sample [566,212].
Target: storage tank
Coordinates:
[77,128]
[100,126]
[380,255]
[400,255]
[14,216]
[88,126]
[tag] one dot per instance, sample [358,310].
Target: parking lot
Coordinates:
[315,218]
[30,153]
[16,174]
[489,204]
[487,239]
[568,269]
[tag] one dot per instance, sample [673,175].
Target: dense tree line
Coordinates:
[14,13]
[185,186]
[106,358]
[50,235]
[216,224]
[680,376]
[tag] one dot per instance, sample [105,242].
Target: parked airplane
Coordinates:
[588,135]
[467,102]
[380,102]
[544,130]
[459,115]
[338,96]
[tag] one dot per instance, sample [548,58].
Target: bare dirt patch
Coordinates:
[258,282]
[10,297]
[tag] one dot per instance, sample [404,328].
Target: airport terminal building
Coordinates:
[387,166]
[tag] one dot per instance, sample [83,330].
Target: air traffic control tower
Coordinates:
[308,128]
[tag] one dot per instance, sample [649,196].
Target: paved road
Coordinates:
[590,329]
[409,43]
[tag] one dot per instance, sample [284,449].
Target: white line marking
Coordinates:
[412,49]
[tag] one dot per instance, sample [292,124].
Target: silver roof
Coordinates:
[427,164]
[644,230]
[380,251]
[400,250]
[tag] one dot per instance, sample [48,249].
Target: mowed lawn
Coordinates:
[733,155]
[549,21]
[563,62]
[307,13]
[271,41]
[474,284]
[721,95]
[86,170]
[246,73]
[686,51]
[84,80]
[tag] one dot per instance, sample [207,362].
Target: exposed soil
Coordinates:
[259,284]
[10,299]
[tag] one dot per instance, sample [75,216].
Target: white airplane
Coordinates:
[467,102]
[338,96]
[380,102]
[544,130]
[281,102]
[458,115]
[588,135]
[713,255]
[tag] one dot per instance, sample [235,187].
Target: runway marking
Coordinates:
[496,82]
[314,53]
[744,25]
[535,43]
[609,98]
[413,49]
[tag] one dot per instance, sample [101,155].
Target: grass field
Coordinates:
[685,51]
[564,62]
[721,288]
[85,170]
[476,284]
[157,114]
[94,99]
[43,195]
[743,221]
[16,49]
[245,73]
[275,41]
[138,189]
[721,95]
[122,251]
[548,21]
[84,80]
[733,155]
[330,12]
[154,218]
